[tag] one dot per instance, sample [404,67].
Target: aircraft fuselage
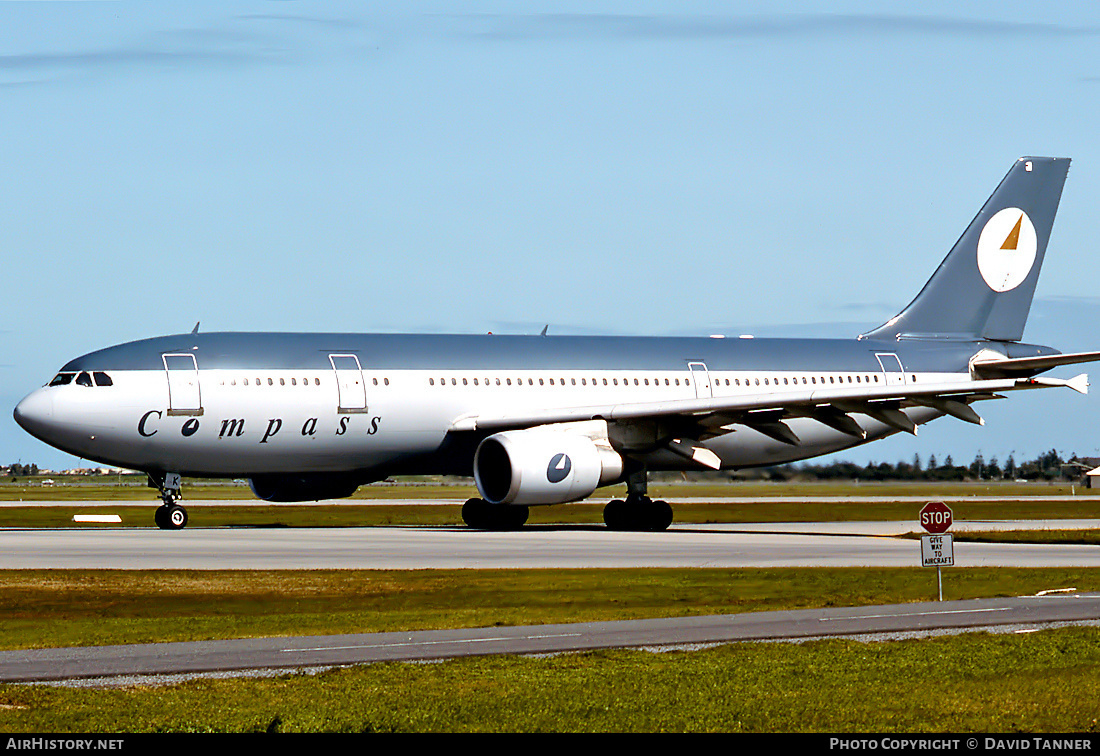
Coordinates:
[244,404]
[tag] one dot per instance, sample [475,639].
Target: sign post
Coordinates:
[937,549]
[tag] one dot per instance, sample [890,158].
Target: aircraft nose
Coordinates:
[35,413]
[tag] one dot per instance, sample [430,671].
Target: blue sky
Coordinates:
[624,168]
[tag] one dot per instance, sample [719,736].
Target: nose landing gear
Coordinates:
[170,515]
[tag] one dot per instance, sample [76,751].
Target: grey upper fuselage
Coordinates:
[287,351]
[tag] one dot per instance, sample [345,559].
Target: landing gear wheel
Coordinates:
[480,514]
[616,515]
[660,515]
[170,517]
[474,513]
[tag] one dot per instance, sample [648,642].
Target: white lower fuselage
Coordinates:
[245,422]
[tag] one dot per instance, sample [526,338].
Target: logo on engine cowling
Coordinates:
[559,468]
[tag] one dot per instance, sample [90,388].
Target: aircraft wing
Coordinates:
[698,419]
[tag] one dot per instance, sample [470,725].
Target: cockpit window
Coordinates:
[62,379]
[84,380]
[102,379]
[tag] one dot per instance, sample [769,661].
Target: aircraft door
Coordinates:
[350,383]
[700,376]
[892,370]
[184,397]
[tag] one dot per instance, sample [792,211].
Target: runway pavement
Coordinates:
[566,546]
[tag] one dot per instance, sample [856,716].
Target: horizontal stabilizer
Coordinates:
[1008,368]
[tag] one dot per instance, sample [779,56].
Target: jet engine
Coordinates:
[541,466]
[304,487]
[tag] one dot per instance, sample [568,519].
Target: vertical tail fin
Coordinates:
[983,288]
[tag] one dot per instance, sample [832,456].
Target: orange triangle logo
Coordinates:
[1013,239]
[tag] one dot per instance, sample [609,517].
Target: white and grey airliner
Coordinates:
[549,419]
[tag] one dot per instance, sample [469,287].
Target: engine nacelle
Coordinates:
[542,467]
[304,487]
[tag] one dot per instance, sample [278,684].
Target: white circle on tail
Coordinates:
[1006,249]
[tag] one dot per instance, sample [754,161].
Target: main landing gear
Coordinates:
[638,512]
[480,514]
[169,515]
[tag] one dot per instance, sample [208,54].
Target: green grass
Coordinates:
[52,608]
[1039,682]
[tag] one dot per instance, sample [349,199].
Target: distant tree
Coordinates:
[977,467]
[993,470]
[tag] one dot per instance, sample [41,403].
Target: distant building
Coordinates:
[1088,468]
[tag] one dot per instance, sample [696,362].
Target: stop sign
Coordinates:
[935,517]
